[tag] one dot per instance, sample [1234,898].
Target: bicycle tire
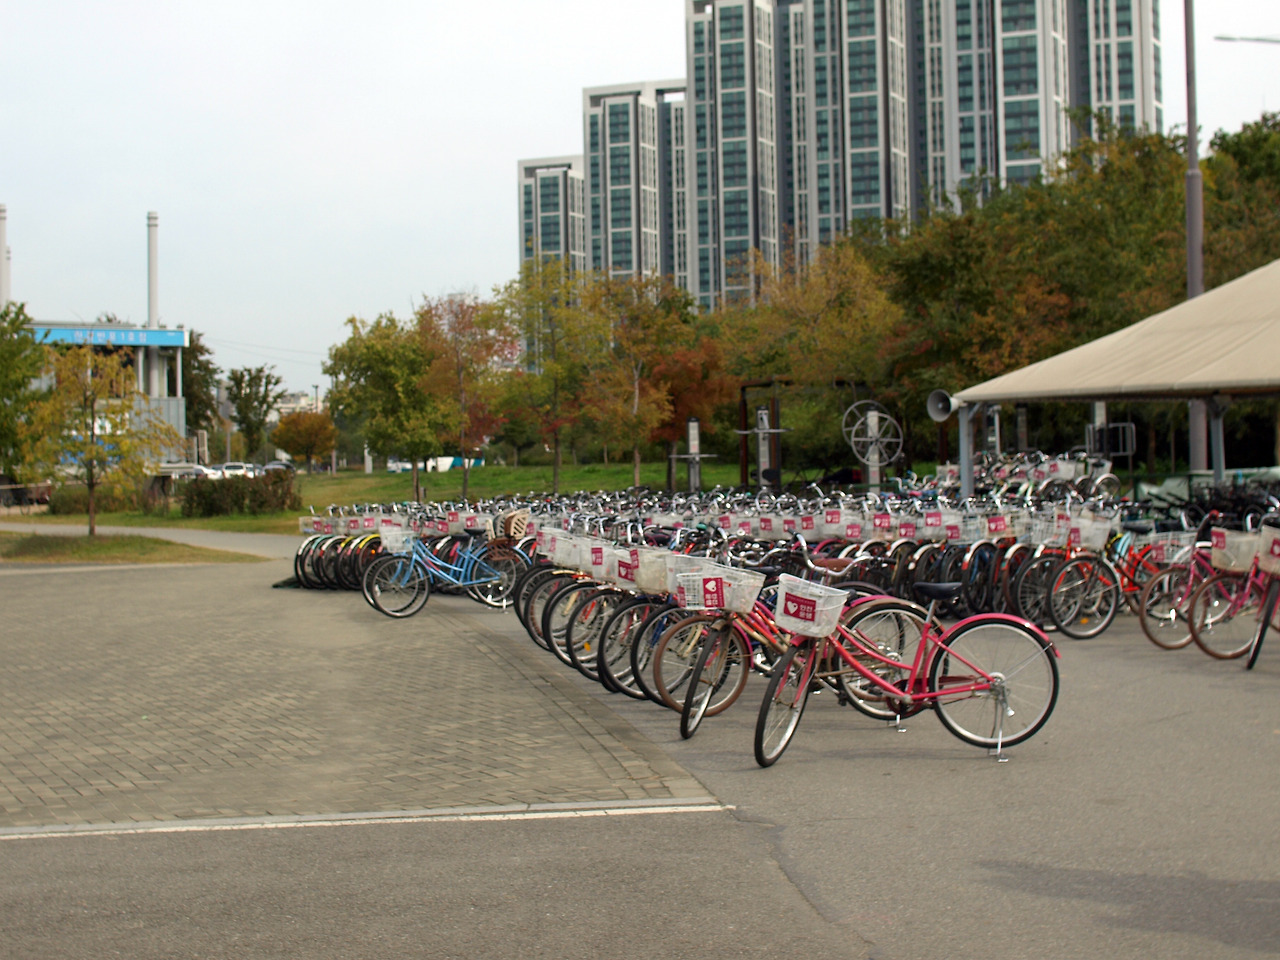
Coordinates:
[556,615]
[536,603]
[397,586]
[1003,649]
[894,629]
[582,635]
[675,655]
[645,644]
[1265,617]
[785,697]
[1222,615]
[1031,588]
[1084,597]
[1162,609]
[718,679]
[505,565]
[613,661]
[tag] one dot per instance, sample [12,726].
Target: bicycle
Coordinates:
[1269,562]
[992,679]
[399,584]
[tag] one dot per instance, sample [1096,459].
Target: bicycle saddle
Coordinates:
[940,592]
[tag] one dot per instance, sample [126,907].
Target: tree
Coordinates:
[200,385]
[305,434]
[647,318]
[379,378]
[561,342]
[95,424]
[21,359]
[469,341]
[254,393]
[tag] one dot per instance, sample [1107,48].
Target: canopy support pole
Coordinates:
[1217,444]
[966,451]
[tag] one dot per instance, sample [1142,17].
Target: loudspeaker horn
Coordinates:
[941,405]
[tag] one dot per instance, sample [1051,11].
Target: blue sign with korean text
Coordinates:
[105,335]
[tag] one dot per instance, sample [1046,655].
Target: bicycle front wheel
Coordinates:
[718,679]
[396,585]
[1084,597]
[1163,608]
[995,682]
[784,701]
[1223,615]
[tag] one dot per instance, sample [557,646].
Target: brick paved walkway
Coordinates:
[169,693]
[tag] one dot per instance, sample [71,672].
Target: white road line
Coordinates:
[546,811]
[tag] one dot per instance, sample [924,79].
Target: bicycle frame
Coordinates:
[462,574]
[932,643]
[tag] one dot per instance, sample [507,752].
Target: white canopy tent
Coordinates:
[1221,344]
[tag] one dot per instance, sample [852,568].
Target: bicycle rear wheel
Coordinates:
[613,660]
[503,565]
[1265,618]
[892,629]
[784,701]
[676,653]
[995,681]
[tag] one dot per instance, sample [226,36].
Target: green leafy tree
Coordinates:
[561,345]
[21,360]
[306,434]
[254,392]
[200,385]
[95,425]
[379,373]
[470,342]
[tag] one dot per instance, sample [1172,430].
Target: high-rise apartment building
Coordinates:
[634,136]
[800,116]
[552,208]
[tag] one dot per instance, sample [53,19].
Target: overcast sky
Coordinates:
[311,161]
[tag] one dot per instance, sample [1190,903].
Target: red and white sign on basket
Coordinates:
[1269,550]
[808,609]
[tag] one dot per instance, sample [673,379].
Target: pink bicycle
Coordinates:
[992,679]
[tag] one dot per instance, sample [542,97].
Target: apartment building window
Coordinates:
[737,213]
[968,145]
[1127,116]
[1024,173]
[700,78]
[864,179]
[731,23]
[621,250]
[734,154]
[550,235]
[704,175]
[595,173]
[597,255]
[619,123]
[822,135]
[862,66]
[1021,67]
[593,137]
[597,218]
[1159,80]
[733,66]
[824,188]
[1155,19]
[733,115]
[549,194]
[1124,18]
[619,166]
[864,122]
[700,37]
[736,263]
[1018,15]
[964,82]
[528,238]
[1124,70]
[861,18]
[964,25]
[528,201]
[704,272]
[620,209]
[820,25]
[820,81]
[704,221]
[1022,129]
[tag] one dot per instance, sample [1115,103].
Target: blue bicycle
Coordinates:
[399,584]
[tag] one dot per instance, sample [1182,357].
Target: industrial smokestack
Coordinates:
[153,304]
[4,257]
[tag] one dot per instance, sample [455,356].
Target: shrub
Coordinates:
[254,495]
[74,499]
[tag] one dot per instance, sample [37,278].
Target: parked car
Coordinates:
[237,468]
[279,465]
[403,466]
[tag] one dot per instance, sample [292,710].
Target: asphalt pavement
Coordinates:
[195,764]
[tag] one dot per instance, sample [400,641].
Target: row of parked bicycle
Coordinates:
[681,614]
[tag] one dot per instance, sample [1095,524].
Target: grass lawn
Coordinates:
[34,548]
[354,486]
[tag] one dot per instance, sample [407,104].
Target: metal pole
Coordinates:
[694,428]
[1196,412]
[966,452]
